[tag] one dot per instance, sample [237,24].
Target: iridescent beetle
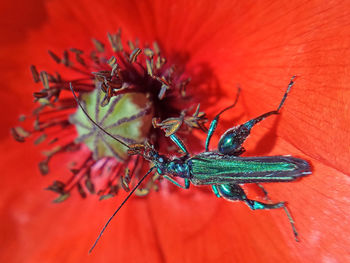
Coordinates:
[223,169]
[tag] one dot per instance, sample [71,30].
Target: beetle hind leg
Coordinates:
[231,141]
[234,192]
[215,121]
[266,194]
[286,210]
[255,205]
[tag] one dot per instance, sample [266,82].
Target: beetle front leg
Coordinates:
[186,186]
[179,143]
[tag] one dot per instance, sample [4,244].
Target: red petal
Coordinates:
[192,225]
[261,46]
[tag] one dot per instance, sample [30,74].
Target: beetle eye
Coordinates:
[160,159]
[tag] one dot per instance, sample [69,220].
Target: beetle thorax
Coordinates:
[178,168]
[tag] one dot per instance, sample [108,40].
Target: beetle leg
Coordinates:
[179,143]
[286,210]
[266,194]
[234,192]
[214,122]
[255,205]
[216,190]
[186,186]
[231,141]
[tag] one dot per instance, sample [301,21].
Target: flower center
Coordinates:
[122,90]
[127,117]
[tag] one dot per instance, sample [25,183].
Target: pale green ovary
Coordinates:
[124,108]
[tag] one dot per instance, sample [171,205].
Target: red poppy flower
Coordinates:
[256,45]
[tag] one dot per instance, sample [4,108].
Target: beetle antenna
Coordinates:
[121,205]
[96,124]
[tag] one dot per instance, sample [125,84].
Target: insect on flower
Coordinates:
[223,169]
